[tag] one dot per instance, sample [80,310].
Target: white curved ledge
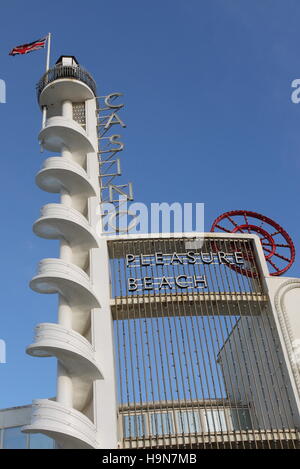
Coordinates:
[59,132]
[58,276]
[58,173]
[287,330]
[65,89]
[68,427]
[59,221]
[71,348]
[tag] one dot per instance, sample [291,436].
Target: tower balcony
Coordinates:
[58,221]
[67,426]
[58,276]
[75,352]
[58,173]
[61,132]
[63,81]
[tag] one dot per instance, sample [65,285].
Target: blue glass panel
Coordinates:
[161,424]
[188,422]
[40,441]
[14,438]
[133,425]
[215,420]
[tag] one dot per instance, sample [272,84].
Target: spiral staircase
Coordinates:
[67,96]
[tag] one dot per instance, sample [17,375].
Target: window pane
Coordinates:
[14,438]
[241,419]
[40,441]
[133,425]
[188,422]
[215,420]
[161,424]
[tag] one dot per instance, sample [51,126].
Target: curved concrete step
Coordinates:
[60,132]
[58,221]
[72,349]
[58,173]
[58,276]
[69,428]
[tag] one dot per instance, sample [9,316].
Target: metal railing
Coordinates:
[65,71]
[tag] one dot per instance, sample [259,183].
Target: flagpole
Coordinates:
[47,68]
[48,52]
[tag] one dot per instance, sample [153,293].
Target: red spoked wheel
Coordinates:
[277,245]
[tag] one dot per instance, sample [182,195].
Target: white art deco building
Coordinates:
[162,340]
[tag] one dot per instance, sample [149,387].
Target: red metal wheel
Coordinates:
[277,245]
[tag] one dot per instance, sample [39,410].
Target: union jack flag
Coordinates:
[25,48]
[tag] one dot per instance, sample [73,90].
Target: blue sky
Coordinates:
[207,87]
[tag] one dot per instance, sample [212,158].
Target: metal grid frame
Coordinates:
[168,346]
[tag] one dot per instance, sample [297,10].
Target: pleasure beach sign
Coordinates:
[182,281]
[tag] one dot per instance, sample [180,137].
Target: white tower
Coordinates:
[84,413]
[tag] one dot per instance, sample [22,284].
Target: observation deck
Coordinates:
[60,72]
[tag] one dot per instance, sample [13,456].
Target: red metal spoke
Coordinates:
[273,265]
[234,224]
[268,250]
[277,245]
[282,257]
[278,255]
[247,222]
[232,221]
[223,229]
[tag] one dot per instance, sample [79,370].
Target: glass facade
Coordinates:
[40,441]
[188,422]
[241,419]
[13,438]
[215,420]
[161,424]
[134,425]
